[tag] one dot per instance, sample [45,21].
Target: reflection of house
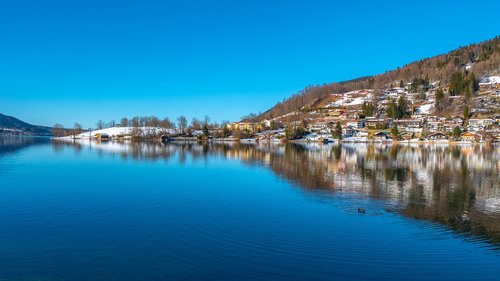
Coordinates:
[437,136]
[473,137]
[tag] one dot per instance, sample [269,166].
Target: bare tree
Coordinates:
[165,123]
[195,124]
[124,122]
[77,128]
[100,125]
[182,123]
[58,130]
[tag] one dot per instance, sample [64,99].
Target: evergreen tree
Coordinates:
[337,132]
[456,132]
[457,83]
[367,109]
[466,113]
[441,101]
[395,132]
[392,109]
[402,108]
[206,132]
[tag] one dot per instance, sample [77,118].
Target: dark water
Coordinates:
[111,211]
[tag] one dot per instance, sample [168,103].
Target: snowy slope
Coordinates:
[123,131]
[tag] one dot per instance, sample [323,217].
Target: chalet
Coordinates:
[381,136]
[406,135]
[373,122]
[102,137]
[472,137]
[394,92]
[476,124]
[488,83]
[437,137]
[357,124]
[317,125]
[435,126]
[459,121]
[413,125]
[336,113]
[360,133]
[449,125]
[245,126]
[266,123]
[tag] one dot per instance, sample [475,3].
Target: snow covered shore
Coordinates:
[123,132]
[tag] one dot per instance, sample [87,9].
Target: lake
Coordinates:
[189,211]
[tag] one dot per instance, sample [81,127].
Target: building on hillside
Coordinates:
[335,113]
[450,124]
[489,83]
[317,125]
[437,137]
[435,126]
[479,124]
[245,126]
[372,123]
[409,123]
[357,124]
[267,123]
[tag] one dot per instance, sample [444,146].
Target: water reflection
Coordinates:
[455,186]
[13,144]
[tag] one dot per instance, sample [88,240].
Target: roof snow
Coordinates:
[490,79]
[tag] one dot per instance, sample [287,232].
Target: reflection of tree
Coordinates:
[458,187]
[13,144]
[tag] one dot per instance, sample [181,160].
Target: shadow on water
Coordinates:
[454,186]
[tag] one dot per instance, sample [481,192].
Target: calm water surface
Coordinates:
[121,211]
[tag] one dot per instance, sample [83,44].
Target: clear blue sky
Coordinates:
[66,61]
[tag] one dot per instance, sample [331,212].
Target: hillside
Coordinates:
[474,61]
[12,126]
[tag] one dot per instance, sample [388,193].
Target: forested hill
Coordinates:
[12,126]
[479,59]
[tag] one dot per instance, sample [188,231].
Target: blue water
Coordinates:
[219,212]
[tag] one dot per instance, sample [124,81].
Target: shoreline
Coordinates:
[254,141]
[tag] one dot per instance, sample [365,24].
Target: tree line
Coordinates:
[181,123]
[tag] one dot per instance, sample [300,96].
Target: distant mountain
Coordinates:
[12,126]
[481,59]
